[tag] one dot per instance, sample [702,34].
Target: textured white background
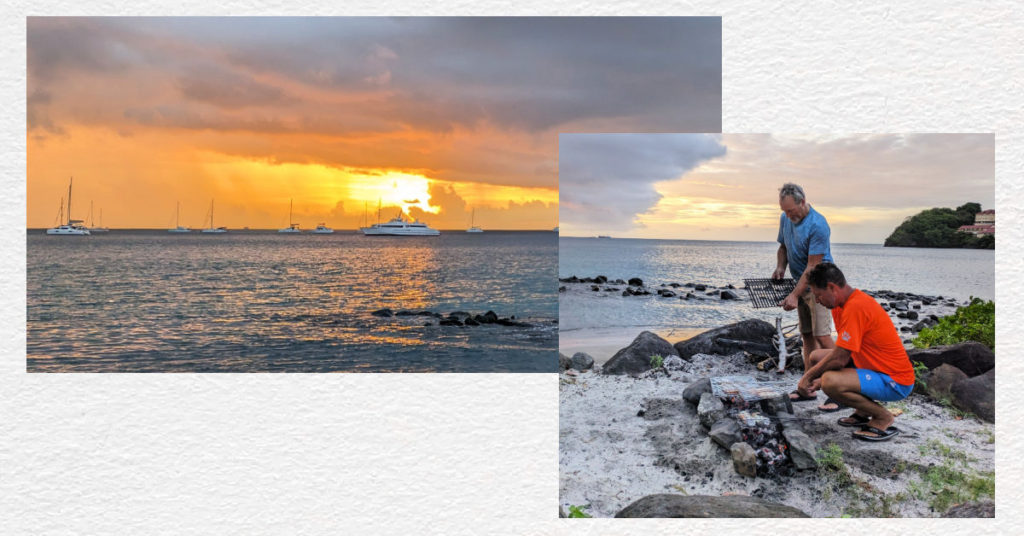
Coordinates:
[475,454]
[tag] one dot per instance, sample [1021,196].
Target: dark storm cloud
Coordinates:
[606,180]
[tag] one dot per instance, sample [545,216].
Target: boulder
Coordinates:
[601,279]
[710,409]
[385,312]
[972,509]
[757,331]
[636,282]
[728,295]
[725,432]
[744,459]
[971,357]
[940,381]
[674,362]
[977,395]
[700,287]
[912,315]
[802,448]
[693,391]
[564,363]
[636,357]
[899,305]
[582,361]
[666,293]
[704,506]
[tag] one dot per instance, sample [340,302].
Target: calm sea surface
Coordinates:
[150,301]
[958,273]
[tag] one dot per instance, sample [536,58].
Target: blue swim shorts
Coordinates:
[881,387]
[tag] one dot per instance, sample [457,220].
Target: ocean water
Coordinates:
[256,301]
[587,316]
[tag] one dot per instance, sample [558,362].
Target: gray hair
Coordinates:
[792,190]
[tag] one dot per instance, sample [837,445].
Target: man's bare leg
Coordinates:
[844,386]
[809,361]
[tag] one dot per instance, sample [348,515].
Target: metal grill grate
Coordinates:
[748,389]
[766,293]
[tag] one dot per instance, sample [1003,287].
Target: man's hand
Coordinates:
[789,303]
[807,388]
[779,273]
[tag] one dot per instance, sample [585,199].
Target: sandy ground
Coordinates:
[609,456]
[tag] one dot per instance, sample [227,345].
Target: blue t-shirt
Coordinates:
[809,237]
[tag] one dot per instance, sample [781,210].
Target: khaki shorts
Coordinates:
[814,318]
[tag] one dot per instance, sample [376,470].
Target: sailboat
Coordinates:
[72,227]
[322,228]
[473,228]
[212,229]
[293,228]
[92,227]
[177,221]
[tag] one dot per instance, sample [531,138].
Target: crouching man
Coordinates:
[867,336]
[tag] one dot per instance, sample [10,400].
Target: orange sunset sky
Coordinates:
[436,116]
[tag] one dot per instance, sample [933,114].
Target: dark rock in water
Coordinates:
[899,305]
[627,292]
[725,432]
[700,287]
[487,318]
[512,323]
[704,506]
[564,363]
[385,312]
[611,289]
[912,315]
[600,279]
[674,285]
[471,322]
[971,357]
[917,306]
[582,361]
[666,293]
[427,313]
[901,315]
[636,282]
[459,314]
[802,449]
[450,322]
[595,288]
[693,391]
[428,324]
[977,395]
[744,459]
[561,288]
[710,409]
[757,331]
[972,509]
[636,357]
[904,328]
[919,326]
[728,295]
[405,312]
[572,279]
[941,380]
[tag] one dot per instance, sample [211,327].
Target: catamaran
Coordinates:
[177,221]
[72,227]
[473,228]
[92,223]
[213,229]
[293,228]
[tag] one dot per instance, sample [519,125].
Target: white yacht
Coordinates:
[72,227]
[293,228]
[213,229]
[399,226]
[322,229]
[473,228]
[177,222]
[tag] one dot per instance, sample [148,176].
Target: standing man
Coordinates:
[869,340]
[803,244]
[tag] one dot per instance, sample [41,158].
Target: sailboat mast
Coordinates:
[69,199]
[291,202]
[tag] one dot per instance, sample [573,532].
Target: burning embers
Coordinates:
[747,401]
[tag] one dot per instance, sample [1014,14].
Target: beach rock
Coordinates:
[700,287]
[757,331]
[710,409]
[899,305]
[693,392]
[385,312]
[666,293]
[744,459]
[940,381]
[450,322]
[406,312]
[977,395]
[725,432]
[912,315]
[600,279]
[582,361]
[561,288]
[636,282]
[919,326]
[972,509]
[636,357]
[471,322]
[595,288]
[728,295]
[460,315]
[971,357]
[667,505]
[674,362]
[564,362]
[802,449]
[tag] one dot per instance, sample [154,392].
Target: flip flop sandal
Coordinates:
[800,398]
[888,434]
[853,421]
[831,410]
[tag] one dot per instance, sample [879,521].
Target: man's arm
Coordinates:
[801,285]
[835,360]
[781,261]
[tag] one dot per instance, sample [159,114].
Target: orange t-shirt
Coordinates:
[865,330]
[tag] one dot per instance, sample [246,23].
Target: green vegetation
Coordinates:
[577,511]
[974,322]
[952,481]
[657,361]
[937,228]
[920,370]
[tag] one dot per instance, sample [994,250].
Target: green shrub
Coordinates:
[657,361]
[577,511]
[974,322]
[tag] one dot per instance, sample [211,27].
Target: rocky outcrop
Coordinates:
[744,459]
[971,357]
[564,362]
[636,358]
[705,506]
[972,509]
[756,331]
[940,381]
[977,395]
[582,361]
[693,392]
[710,409]
[802,449]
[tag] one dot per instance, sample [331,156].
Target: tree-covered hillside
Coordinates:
[937,228]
